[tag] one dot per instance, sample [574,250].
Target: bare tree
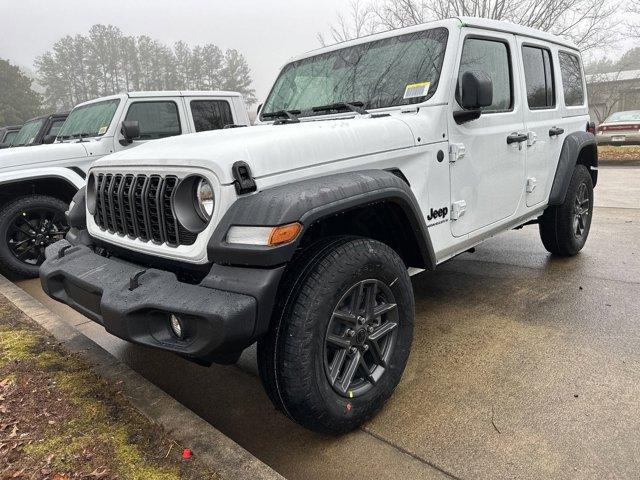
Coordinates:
[612,85]
[358,22]
[633,20]
[588,23]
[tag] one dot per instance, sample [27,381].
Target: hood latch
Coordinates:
[244,180]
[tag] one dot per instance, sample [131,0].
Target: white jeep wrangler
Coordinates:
[378,157]
[37,183]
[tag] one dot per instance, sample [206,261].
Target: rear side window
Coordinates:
[571,79]
[491,57]
[156,119]
[211,114]
[538,74]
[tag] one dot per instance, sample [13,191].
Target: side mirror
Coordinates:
[130,130]
[49,139]
[476,91]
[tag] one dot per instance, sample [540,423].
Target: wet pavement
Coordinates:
[523,366]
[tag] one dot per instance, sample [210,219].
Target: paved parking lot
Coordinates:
[523,366]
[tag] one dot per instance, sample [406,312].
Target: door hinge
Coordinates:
[531,184]
[457,151]
[457,209]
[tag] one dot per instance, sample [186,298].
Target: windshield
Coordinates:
[89,120]
[633,116]
[28,132]
[389,72]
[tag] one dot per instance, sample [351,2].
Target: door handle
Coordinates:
[517,138]
[555,131]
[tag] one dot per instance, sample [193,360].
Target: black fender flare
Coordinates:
[307,202]
[76,214]
[572,150]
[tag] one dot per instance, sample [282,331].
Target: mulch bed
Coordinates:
[627,153]
[59,421]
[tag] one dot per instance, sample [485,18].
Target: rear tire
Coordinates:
[27,226]
[564,228]
[328,362]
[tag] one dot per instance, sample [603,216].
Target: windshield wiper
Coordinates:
[283,116]
[356,107]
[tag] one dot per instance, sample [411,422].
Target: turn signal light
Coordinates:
[284,234]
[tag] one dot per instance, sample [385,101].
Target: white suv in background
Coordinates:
[37,184]
[373,159]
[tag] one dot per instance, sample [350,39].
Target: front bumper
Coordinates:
[216,321]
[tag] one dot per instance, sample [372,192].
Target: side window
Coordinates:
[55,127]
[10,136]
[491,57]
[571,79]
[538,75]
[211,114]
[157,119]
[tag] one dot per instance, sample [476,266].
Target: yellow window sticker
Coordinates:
[414,90]
[102,130]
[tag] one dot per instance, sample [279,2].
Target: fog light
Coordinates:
[176,326]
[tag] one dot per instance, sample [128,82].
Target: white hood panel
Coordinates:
[41,155]
[272,149]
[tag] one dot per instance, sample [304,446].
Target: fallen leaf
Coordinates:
[99,472]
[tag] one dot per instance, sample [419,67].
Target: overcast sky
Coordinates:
[267,32]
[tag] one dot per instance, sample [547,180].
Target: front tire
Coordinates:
[340,339]
[564,228]
[27,226]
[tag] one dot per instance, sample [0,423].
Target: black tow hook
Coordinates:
[134,282]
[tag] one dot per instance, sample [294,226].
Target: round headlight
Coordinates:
[204,199]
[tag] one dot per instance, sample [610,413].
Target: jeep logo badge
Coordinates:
[440,213]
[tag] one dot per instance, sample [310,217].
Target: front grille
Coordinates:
[140,207]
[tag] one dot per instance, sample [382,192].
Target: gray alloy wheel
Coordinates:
[360,338]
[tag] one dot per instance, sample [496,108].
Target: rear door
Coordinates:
[487,181]
[542,116]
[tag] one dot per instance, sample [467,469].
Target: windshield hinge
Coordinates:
[244,182]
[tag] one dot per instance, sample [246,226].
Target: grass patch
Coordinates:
[59,420]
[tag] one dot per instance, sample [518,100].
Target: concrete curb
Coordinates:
[213,448]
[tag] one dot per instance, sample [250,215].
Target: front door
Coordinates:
[487,168]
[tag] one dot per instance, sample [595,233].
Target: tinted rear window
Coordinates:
[538,74]
[211,114]
[571,79]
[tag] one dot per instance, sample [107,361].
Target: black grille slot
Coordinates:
[153,207]
[169,220]
[140,206]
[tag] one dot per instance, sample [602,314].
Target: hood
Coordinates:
[271,149]
[20,157]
